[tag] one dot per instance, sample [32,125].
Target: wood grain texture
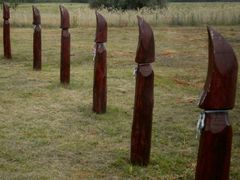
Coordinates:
[219,91]
[100,66]
[214,152]
[143,105]
[37,40]
[65,46]
[65,57]
[220,86]
[37,48]
[6,32]
[100,80]
[142,118]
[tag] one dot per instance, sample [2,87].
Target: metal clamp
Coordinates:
[135,71]
[200,124]
[99,46]
[94,51]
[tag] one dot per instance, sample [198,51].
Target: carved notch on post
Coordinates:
[65,46]
[37,46]
[218,97]
[143,106]
[6,31]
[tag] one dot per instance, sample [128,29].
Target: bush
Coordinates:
[127,4]
[80,1]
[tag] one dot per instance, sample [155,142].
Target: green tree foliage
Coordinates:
[80,1]
[127,4]
[44,1]
[13,3]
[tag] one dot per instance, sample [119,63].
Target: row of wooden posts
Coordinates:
[217,98]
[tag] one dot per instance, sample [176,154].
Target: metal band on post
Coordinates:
[201,121]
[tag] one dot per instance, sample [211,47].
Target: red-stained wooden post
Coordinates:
[143,107]
[65,46]
[218,97]
[37,46]
[100,67]
[6,31]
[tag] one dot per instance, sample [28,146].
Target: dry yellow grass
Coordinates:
[183,14]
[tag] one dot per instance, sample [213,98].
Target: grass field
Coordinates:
[49,132]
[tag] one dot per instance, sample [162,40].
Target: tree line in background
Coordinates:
[138,4]
[43,1]
[127,4]
[117,4]
[203,0]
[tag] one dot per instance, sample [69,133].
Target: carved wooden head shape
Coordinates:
[101,30]
[220,86]
[6,13]
[36,16]
[65,22]
[146,47]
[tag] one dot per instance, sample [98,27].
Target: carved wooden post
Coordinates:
[37,46]
[100,66]
[6,31]
[65,46]
[143,107]
[217,98]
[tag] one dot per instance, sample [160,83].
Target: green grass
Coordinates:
[49,132]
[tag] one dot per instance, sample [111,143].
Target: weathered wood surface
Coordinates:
[6,32]
[220,86]
[146,45]
[215,148]
[101,29]
[218,96]
[144,97]
[65,46]
[100,67]
[142,119]
[37,40]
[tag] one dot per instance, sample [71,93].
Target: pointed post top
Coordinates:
[220,86]
[101,29]
[219,44]
[146,45]
[36,16]
[6,13]
[65,19]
